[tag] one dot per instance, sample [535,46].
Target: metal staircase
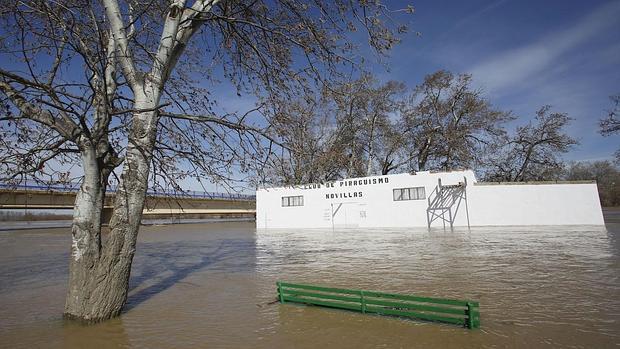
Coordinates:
[447,199]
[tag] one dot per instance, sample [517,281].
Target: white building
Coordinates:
[427,199]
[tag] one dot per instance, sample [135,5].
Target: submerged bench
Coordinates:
[459,312]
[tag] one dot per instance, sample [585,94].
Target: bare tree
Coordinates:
[444,124]
[449,124]
[363,110]
[392,151]
[111,83]
[379,135]
[533,153]
[308,152]
[611,125]
[343,130]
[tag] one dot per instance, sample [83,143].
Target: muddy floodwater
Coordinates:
[213,286]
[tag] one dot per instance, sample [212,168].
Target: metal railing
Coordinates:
[445,198]
[458,312]
[153,193]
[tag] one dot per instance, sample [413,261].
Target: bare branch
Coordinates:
[63,126]
[217,120]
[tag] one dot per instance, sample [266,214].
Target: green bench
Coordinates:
[459,312]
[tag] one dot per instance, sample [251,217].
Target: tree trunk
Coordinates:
[521,172]
[424,153]
[422,159]
[99,282]
[370,146]
[86,234]
[387,167]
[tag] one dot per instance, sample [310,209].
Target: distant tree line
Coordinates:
[610,125]
[607,177]
[604,172]
[362,128]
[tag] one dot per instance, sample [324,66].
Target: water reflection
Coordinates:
[104,335]
[161,265]
[212,285]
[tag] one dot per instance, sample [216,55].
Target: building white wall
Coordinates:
[535,204]
[528,204]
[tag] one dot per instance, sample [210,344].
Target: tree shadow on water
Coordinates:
[161,265]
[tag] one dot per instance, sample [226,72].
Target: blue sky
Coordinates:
[523,54]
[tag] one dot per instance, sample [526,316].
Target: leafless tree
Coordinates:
[380,136]
[443,124]
[611,125]
[363,112]
[449,124]
[346,129]
[308,152]
[133,83]
[392,151]
[533,153]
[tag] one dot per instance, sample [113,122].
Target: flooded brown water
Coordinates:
[210,285]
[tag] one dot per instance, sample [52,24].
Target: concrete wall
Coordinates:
[368,202]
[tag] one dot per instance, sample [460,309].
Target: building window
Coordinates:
[416,193]
[292,201]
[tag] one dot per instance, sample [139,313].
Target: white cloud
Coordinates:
[516,66]
[476,14]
